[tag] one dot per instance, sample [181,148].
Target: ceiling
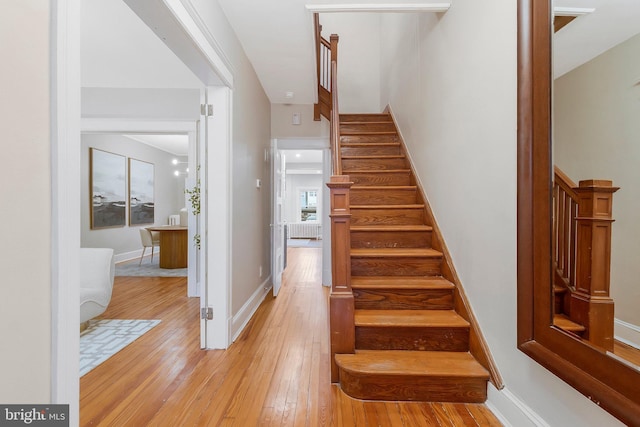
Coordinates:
[589,35]
[277,36]
[178,145]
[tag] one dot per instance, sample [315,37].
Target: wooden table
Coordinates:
[173,245]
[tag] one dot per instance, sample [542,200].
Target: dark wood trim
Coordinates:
[606,381]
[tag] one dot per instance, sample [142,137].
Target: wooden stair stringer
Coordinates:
[478,346]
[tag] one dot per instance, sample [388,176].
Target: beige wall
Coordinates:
[169,195]
[358,59]
[451,82]
[597,135]
[282,127]
[251,131]
[25,292]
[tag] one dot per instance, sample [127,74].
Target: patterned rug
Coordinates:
[104,338]
[147,269]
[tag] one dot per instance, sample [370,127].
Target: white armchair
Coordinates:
[97,270]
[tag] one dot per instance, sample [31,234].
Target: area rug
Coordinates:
[104,338]
[148,269]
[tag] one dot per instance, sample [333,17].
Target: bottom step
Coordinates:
[429,376]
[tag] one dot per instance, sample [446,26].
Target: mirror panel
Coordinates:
[608,381]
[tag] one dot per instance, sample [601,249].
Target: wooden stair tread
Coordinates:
[415,206]
[384,187]
[410,318]
[418,363]
[375,156]
[355,122]
[395,253]
[366,133]
[559,289]
[350,171]
[563,322]
[369,144]
[400,282]
[384,228]
[358,116]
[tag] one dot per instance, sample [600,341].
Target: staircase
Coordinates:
[411,340]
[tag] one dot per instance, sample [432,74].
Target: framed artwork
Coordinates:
[141,183]
[107,174]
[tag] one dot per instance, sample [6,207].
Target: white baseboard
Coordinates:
[510,410]
[242,317]
[627,333]
[127,256]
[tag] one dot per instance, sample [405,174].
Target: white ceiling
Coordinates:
[177,145]
[119,50]
[612,22]
[278,39]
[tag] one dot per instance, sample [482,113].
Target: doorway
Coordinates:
[301,167]
[66,82]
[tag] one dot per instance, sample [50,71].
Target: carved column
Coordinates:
[591,304]
[341,302]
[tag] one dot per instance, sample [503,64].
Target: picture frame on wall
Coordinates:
[141,192]
[107,175]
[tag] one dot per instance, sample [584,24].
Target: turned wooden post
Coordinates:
[591,304]
[341,303]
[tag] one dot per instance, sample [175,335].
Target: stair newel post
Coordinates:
[591,304]
[341,301]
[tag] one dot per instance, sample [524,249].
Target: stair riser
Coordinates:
[368,138]
[371,150]
[412,388]
[382,197]
[390,239]
[374,164]
[395,266]
[412,338]
[376,178]
[403,299]
[346,128]
[346,118]
[386,216]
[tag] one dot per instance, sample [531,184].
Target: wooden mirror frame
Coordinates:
[606,380]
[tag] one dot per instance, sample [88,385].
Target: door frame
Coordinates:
[167,127]
[65,195]
[320,144]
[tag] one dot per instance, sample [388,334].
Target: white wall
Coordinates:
[119,50]
[451,81]
[169,194]
[358,59]
[282,126]
[141,103]
[251,208]
[296,182]
[25,258]
[596,134]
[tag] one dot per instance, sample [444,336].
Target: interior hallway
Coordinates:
[275,374]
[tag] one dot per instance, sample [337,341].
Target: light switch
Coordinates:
[296,119]
[258,183]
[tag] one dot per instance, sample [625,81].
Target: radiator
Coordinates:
[305,230]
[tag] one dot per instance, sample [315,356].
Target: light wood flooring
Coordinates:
[275,374]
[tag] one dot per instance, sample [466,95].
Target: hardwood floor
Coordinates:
[275,374]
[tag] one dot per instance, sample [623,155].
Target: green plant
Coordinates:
[194,199]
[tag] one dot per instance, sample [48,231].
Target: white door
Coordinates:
[278,223]
[215,218]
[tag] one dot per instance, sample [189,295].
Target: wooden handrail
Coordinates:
[565,210]
[582,219]
[326,53]
[335,122]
